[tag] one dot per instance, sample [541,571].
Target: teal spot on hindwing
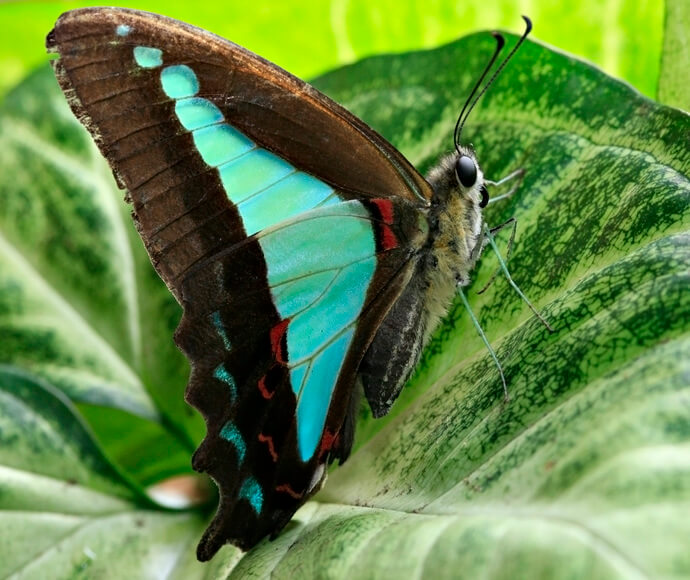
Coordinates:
[224,376]
[195,113]
[220,329]
[179,81]
[230,433]
[148,57]
[251,491]
[220,143]
[123,30]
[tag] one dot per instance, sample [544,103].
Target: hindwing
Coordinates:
[283,355]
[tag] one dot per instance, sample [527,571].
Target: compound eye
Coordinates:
[466,170]
[485,196]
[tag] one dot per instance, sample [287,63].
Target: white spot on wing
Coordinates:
[317,478]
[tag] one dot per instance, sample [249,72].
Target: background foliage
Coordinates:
[583,473]
[307,38]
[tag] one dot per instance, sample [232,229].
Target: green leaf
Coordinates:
[673,86]
[80,304]
[564,480]
[64,510]
[585,472]
[308,38]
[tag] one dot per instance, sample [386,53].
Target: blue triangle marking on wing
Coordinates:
[266,189]
[231,434]
[148,57]
[222,374]
[179,81]
[277,202]
[332,247]
[252,492]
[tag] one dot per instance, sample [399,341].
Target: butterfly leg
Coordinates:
[480,330]
[502,264]
[512,221]
[518,173]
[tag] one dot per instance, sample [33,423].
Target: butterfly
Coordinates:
[311,259]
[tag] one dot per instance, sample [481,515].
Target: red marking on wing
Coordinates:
[328,441]
[385,207]
[265,393]
[269,441]
[277,333]
[285,487]
[389,241]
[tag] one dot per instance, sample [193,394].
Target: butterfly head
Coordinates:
[460,192]
[466,169]
[460,195]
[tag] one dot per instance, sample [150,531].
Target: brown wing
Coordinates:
[231,330]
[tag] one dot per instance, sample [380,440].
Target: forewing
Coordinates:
[273,108]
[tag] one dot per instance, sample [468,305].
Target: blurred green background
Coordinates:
[623,37]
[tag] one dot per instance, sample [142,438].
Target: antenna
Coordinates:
[500,42]
[461,121]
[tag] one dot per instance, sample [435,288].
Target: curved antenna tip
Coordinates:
[500,41]
[528,22]
[469,103]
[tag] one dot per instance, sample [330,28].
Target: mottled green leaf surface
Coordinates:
[566,479]
[584,473]
[65,512]
[80,304]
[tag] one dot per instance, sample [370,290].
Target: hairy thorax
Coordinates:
[455,222]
